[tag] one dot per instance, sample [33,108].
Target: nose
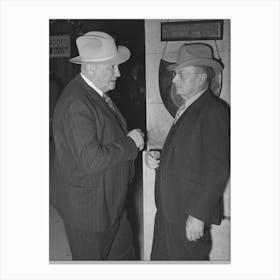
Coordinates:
[175,78]
[117,72]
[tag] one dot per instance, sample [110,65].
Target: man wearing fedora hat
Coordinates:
[193,168]
[94,154]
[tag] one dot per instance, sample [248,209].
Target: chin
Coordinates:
[111,88]
[179,92]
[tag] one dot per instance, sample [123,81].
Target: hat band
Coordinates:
[100,59]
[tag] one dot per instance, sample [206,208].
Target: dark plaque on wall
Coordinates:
[192,30]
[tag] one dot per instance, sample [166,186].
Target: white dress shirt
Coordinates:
[186,105]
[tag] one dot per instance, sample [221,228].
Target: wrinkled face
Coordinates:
[188,81]
[105,76]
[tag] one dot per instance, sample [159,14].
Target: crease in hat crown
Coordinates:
[196,54]
[99,47]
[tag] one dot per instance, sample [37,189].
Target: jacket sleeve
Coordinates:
[215,163]
[80,130]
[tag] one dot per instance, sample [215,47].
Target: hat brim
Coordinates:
[216,65]
[122,56]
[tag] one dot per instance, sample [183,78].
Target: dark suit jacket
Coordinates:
[195,162]
[93,158]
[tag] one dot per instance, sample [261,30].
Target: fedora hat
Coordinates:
[196,54]
[99,48]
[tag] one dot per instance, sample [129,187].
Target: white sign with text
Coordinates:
[60,46]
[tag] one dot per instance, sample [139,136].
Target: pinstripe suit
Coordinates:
[93,162]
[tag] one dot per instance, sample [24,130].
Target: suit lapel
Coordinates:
[186,121]
[118,118]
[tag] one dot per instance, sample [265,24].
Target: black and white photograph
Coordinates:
[139,140]
[97,135]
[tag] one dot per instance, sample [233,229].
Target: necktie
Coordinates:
[109,102]
[113,108]
[179,113]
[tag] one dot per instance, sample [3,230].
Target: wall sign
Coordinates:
[192,30]
[60,46]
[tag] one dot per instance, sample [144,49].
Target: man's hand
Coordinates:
[152,159]
[138,137]
[194,228]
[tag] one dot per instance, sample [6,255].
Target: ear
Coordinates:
[89,68]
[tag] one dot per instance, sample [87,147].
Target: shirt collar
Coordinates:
[91,84]
[187,104]
[193,99]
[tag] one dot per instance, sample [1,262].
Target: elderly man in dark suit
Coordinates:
[193,169]
[94,154]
